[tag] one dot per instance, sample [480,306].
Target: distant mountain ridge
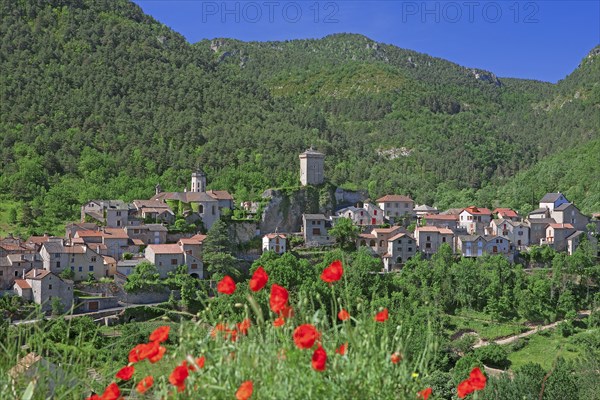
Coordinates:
[99,100]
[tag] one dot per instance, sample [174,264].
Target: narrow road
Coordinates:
[511,339]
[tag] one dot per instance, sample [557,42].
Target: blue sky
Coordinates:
[542,40]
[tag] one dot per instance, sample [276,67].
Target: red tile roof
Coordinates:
[562,226]
[165,248]
[39,274]
[444,231]
[477,211]
[444,217]
[116,233]
[22,283]
[393,197]
[505,212]
[274,235]
[220,194]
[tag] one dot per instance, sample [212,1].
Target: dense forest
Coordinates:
[99,100]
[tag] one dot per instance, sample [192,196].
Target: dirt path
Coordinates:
[537,329]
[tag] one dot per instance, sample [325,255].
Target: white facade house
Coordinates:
[276,242]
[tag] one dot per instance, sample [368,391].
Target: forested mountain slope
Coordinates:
[99,100]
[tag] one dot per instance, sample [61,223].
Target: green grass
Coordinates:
[483,325]
[544,349]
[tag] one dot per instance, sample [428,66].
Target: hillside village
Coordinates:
[113,236]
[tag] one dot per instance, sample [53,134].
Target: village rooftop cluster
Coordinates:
[113,236]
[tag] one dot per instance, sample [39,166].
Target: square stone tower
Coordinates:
[198,181]
[312,165]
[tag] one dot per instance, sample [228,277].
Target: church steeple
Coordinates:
[198,181]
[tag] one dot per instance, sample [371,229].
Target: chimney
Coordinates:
[23,273]
[35,272]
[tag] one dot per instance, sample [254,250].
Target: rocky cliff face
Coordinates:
[285,207]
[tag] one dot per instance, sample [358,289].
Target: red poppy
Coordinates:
[226,285]
[305,336]
[424,394]
[243,326]
[396,358]
[134,353]
[279,298]
[342,349]
[220,327]
[178,376]
[333,273]
[160,334]
[464,388]
[279,321]
[477,379]
[145,384]
[158,355]
[149,350]
[200,361]
[125,373]
[259,279]
[343,315]
[112,392]
[244,391]
[287,312]
[382,316]
[319,359]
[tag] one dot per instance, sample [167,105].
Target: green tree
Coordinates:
[145,276]
[345,233]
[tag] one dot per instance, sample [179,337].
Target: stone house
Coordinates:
[474,220]
[167,257]
[498,245]
[449,221]
[154,211]
[107,241]
[276,242]
[471,245]
[537,229]
[552,200]
[556,236]
[13,266]
[375,213]
[111,213]
[423,210]
[315,230]
[400,248]
[431,238]
[515,232]
[148,233]
[395,207]
[41,286]
[58,256]
[568,213]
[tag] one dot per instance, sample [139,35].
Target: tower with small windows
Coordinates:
[198,181]
[312,165]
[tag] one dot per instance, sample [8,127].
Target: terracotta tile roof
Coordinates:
[22,283]
[444,231]
[38,239]
[562,226]
[190,241]
[505,212]
[443,217]
[220,194]
[150,204]
[366,236]
[82,234]
[109,260]
[477,211]
[115,233]
[199,237]
[274,235]
[393,197]
[391,229]
[165,248]
[398,236]
[138,242]
[39,274]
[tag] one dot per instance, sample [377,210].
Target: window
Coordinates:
[374,212]
[409,241]
[200,209]
[72,268]
[58,264]
[381,243]
[194,266]
[56,255]
[428,245]
[410,249]
[91,268]
[313,222]
[118,213]
[118,222]
[80,269]
[136,231]
[399,241]
[520,233]
[93,259]
[173,261]
[49,287]
[277,240]
[443,240]
[362,213]
[72,259]
[396,205]
[214,210]
[316,231]
[428,238]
